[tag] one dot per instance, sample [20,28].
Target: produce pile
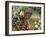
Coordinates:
[26,18]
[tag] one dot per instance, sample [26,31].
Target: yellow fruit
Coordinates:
[22,13]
